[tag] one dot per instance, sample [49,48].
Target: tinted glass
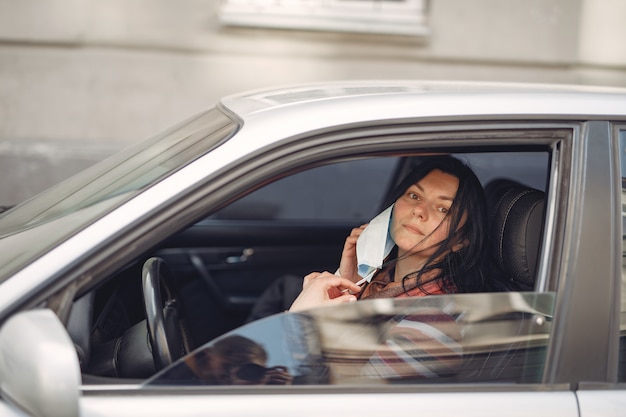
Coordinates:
[342,191]
[117,178]
[477,338]
[49,218]
[354,190]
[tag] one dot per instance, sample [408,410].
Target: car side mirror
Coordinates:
[39,370]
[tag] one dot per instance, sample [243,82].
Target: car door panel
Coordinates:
[222,269]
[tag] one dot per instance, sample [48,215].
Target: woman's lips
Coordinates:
[413,229]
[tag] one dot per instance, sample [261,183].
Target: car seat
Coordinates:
[516,216]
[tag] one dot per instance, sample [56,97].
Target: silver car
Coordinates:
[122,287]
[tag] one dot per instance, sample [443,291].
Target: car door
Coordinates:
[524,152]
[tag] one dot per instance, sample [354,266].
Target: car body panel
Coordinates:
[355,403]
[596,401]
[460,99]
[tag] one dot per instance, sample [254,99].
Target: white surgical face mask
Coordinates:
[374,245]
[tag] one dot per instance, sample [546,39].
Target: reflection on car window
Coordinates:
[500,337]
[352,191]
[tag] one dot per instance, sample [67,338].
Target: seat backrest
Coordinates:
[516,223]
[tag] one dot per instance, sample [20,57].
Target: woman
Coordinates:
[438,227]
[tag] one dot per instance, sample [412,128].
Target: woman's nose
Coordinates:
[420,212]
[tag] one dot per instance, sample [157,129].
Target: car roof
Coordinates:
[379,99]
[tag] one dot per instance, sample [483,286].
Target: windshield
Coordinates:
[456,338]
[62,210]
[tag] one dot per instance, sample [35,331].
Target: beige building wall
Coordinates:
[602,41]
[80,79]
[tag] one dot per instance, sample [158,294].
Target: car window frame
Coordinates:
[588,152]
[485,136]
[619,355]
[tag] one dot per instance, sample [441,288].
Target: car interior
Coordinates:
[232,268]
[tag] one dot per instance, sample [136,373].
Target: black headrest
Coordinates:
[516,217]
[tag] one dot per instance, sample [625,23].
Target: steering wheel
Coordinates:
[162,317]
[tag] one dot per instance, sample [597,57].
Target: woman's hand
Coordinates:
[278,375]
[324,288]
[348,267]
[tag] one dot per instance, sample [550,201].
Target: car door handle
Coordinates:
[237,259]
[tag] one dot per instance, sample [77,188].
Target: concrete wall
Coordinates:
[80,79]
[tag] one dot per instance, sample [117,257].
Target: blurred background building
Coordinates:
[80,79]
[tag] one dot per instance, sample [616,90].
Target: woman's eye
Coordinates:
[413,196]
[444,210]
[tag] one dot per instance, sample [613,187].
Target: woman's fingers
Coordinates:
[328,281]
[348,263]
[278,375]
[324,289]
[354,235]
[310,277]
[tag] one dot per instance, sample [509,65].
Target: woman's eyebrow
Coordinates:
[441,197]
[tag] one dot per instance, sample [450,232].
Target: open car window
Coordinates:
[459,338]
[243,256]
[484,337]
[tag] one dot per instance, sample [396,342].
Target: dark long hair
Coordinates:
[462,270]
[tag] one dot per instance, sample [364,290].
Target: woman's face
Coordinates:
[419,221]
